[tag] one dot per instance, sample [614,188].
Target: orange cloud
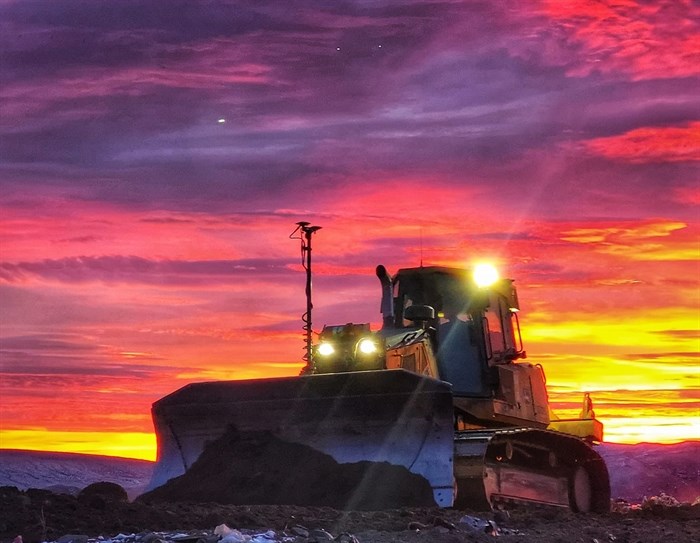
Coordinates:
[641,242]
[651,144]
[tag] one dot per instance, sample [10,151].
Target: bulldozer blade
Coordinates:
[380,417]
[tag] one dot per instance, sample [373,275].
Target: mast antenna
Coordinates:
[305,231]
[421,245]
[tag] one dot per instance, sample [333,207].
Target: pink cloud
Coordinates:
[641,39]
[651,144]
[689,195]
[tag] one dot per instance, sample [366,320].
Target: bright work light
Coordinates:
[367,346]
[325,349]
[485,275]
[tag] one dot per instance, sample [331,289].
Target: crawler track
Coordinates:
[529,466]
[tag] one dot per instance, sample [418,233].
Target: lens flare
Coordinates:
[485,275]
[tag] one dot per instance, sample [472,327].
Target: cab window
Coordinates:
[500,330]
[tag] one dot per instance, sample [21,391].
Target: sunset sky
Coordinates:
[155,156]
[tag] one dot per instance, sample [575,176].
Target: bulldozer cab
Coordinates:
[473,328]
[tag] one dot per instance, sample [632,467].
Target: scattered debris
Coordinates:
[221,534]
[318,535]
[479,525]
[72,538]
[346,538]
[662,500]
[489,527]
[40,516]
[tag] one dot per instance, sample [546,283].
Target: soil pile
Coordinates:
[269,471]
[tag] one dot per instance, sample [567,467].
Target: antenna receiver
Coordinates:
[305,233]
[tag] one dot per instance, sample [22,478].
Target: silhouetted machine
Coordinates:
[441,390]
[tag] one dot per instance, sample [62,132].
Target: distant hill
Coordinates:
[68,473]
[644,469]
[647,469]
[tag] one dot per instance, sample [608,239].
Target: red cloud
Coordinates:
[647,40]
[651,144]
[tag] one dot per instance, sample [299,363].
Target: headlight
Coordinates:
[367,346]
[325,349]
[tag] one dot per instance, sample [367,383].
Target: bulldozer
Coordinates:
[442,391]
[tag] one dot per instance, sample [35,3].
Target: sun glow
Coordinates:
[673,429]
[137,445]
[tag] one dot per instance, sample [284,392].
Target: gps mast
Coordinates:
[305,233]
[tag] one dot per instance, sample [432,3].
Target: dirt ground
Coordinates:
[39,515]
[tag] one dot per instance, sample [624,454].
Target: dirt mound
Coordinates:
[270,471]
[102,494]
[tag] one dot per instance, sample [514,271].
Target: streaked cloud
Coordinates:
[136,269]
[657,144]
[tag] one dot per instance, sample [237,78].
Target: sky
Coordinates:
[155,157]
